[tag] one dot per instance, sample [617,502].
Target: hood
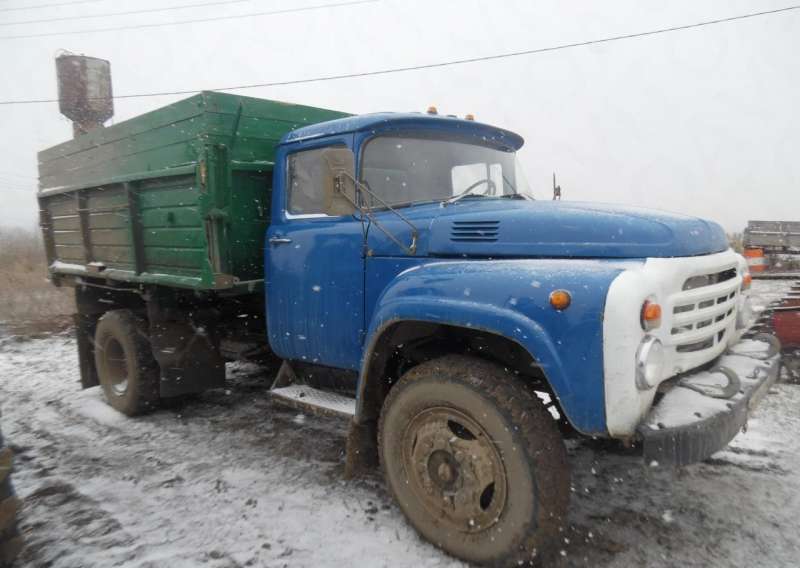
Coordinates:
[500,228]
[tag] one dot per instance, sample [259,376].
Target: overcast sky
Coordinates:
[703,121]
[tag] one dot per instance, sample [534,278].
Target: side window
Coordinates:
[306,182]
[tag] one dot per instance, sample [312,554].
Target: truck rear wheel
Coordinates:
[10,541]
[474,461]
[125,365]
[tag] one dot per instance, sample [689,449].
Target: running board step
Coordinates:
[315,401]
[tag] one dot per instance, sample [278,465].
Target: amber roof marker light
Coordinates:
[560,299]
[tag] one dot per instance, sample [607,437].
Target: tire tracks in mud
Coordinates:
[160,461]
[226,478]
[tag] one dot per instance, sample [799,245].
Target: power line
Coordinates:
[128,13]
[20,8]
[194,21]
[442,63]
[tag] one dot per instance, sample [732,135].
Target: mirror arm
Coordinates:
[412,248]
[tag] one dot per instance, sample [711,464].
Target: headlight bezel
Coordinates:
[650,359]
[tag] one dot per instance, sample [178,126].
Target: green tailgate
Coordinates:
[179,196]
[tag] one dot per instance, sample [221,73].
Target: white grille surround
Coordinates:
[697,325]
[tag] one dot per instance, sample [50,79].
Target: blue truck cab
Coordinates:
[400,240]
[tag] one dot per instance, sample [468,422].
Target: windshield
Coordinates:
[407,170]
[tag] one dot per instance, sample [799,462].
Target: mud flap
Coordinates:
[362,449]
[189,358]
[85,325]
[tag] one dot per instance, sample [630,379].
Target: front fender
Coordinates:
[510,298]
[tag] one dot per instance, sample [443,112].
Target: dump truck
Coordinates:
[399,266]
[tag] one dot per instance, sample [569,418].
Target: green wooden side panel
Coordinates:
[63,206]
[69,253]
[179,196]
[110,237]
[162,201]
[175,216]
[183,261]
[110,243]
[69,237]
[249,218]
[114,256]
[71,223]
[66,233]
[158,139]
[89,173]
[106,199]
[100,220]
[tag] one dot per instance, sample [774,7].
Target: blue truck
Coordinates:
[400,267]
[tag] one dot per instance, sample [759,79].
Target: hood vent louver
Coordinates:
[474,231]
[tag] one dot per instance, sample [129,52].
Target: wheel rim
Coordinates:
[454,469]
[116,366]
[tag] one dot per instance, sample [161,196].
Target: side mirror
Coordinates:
[339,188]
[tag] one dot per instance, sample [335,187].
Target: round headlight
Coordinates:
[649,363]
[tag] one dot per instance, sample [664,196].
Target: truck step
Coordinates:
[315,401]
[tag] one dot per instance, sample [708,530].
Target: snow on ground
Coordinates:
[765,292]
[229,479]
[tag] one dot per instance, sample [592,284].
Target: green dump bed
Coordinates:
[179,196]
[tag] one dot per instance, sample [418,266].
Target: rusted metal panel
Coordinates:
[85,94]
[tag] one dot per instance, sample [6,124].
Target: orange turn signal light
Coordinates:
[560,299]
[747,279]
[651,315]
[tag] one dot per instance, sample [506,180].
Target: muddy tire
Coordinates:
[475,462]
[125,365]
[10,541]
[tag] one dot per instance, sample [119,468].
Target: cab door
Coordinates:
[314,266]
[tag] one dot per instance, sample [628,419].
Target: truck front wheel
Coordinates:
[474,461]
[125,365]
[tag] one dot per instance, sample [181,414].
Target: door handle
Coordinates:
[279,240]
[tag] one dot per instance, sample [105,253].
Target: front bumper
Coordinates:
[685,426]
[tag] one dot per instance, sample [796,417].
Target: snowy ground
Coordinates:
[229,479]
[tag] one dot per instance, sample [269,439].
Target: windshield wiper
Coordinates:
[490,185]
[516,194]
[470,196]
[404,204]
